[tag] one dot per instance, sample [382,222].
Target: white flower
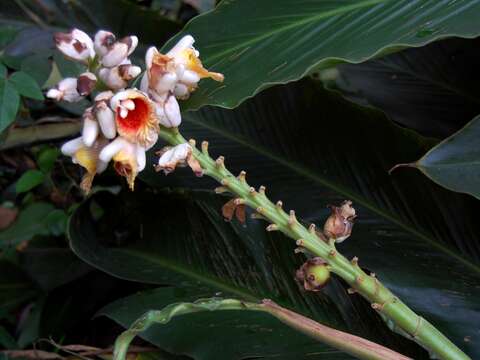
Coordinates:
[76,45]
[129,158]
[135,117]
[180,155]
[87,157]
[111,51]
[179,71]
[66,90]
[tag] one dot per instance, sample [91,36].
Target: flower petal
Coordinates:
[70,147]
[106,120]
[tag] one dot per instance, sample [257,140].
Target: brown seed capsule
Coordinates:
[314,274]
[340,222]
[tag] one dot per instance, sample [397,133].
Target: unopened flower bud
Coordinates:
[90,128]
[106,119]
[117,78]
[181,91]
[86,83]
[178,156]
[340,222]
[71,147]
[76,45]
[103,42]
[314,274]
[117,52]
[168,111]
[65,90]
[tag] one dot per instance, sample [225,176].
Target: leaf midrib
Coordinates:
[186,271]
[339,189]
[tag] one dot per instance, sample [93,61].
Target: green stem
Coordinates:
[400,316]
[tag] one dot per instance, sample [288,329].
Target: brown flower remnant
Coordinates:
[234,207]
[340,222]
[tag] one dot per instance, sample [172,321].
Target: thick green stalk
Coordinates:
[402,318]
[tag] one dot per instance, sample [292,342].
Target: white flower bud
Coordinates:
[104,41]
[112,78]
[181,91]
[86,83]
[109,151]
[106,119]
[104,96]
[169,112]
[128,71]
[90,128]
[65,90]
[173,157]
[76,45]
[184,43]
[71,147]
[115,55]
[165,83]
[190,77]
[55,94]
[141,158]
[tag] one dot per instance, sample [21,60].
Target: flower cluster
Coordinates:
[123,123]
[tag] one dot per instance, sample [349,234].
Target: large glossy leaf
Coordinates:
[276,44]
[182,240]
[254,334]
[432,89]
[454,163]
[311,147]
[15,287]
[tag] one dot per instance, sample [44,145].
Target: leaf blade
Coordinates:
[280,44]
[454,163]
[9,102]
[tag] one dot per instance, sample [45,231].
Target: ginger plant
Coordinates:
[123,123]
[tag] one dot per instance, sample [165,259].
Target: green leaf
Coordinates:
[431,89]
[46,159]
[281,43]
[311,148]
[6,340]
[52,267]
[3,71]
[7,34]
[455,162]
[185,242]
[30,222]
[15,286]
[39,67]
[26,85]
[187,334]
[9,102]
[321,333]
[29,180]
